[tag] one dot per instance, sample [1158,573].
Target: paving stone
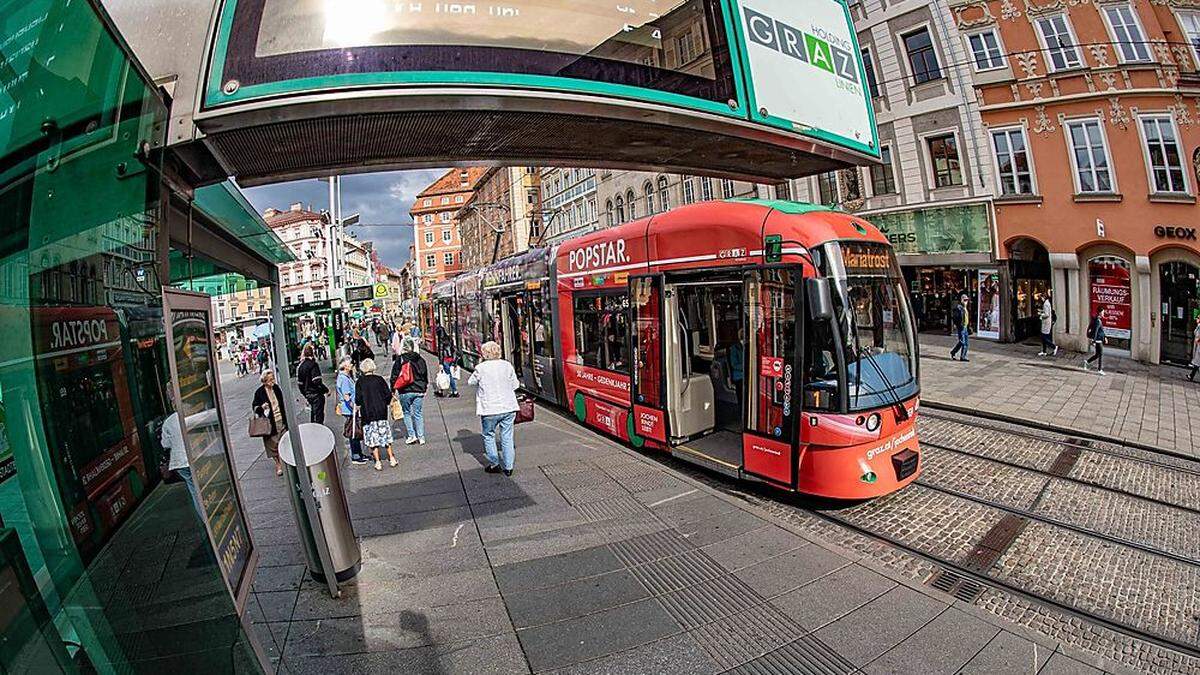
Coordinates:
[832,596]
[573,599]
[542,572]
[753,547]
[720,527]
[493,655]
[747,635]
[1008,654]
[790,570]
[595,635]
[675,655]
[691,509]
[944,645]
[281,578]
[864,634]
[1060,664]
[272,606]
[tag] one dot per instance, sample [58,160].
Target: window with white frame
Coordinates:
[448,258]
[1190,23]
[430,261]
[446,236]
[445,200]
[610,212]
[985,49]
[444,216]
[706,191]
[1127,33]
[631,199]
[689,191]
[648,191]
[429,237]
[883,178]
[1162,154]
[1060,43]
[1012,162]
[944,160]
[427,202]
[827,191]
[727,190]
[458,199]
[664,194]
[1089,156]
[428,218]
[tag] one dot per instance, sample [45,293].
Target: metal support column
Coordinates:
[289,406]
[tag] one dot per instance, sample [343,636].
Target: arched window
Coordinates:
[608,211]
[706,192]
[689,191]
[631,198]
[648,188]
[664,195]
[620,210]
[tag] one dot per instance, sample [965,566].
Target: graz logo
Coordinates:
[802,46]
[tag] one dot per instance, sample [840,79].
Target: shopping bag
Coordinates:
[455,372]
[524,409]
[442,381]
[397,409]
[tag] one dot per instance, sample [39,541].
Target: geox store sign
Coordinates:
[817,48]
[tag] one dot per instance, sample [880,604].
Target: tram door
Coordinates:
[517,346]
[773,319]
[1180,284]
[650,418]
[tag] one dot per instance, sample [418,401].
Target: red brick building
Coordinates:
[438,244]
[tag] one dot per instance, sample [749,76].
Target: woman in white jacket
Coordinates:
[496,404]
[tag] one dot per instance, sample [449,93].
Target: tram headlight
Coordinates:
[873,422]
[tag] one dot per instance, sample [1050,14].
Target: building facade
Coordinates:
[357,266]
[932,192]
[629,195]
[305,232]
[1093,118]
[525,205]
[486,221]
[438,245]
[568,202]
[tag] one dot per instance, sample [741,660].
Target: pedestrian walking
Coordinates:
[262,360]
[372,396]
[449,363]
[308,374]
[960,316]
[496,404]
[1195,350]
[1095,333]
[352,426]
[1046,314]
[268,403]
[410,379]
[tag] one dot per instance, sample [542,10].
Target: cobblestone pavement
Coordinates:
[1154,405]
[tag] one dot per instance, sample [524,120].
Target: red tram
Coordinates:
[767,340]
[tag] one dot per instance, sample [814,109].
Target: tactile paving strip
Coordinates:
[594,493]
[747,636]
[677,572]
[806,655]
[710,601]
[650,481]
[566,468]
[650,547]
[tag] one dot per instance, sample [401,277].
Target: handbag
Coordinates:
[260,427]
[397,409]
[524,410]
[353,427]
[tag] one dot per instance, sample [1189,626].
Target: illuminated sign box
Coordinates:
[776,72]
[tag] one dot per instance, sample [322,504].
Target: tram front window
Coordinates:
[873,322]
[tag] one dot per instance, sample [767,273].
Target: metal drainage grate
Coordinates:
[953,583]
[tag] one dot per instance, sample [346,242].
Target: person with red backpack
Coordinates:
[410,379]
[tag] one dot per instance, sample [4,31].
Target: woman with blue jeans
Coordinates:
[351,428]
[496,405]
[412,395]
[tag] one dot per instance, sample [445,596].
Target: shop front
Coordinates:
[945,252]
[1175,297]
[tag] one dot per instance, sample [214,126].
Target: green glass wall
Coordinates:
[104,565]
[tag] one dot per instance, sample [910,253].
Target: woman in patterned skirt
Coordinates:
[373,396]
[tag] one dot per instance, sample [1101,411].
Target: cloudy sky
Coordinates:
[383,200]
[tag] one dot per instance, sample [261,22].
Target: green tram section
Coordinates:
[106,563]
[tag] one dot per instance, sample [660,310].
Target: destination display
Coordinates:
[205,440]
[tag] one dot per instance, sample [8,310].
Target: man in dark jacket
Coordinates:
[359,350]
[308,375]
[412,395]
[1096,335]
[960,316]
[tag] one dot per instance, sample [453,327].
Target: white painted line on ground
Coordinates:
[456,531]
[671,499]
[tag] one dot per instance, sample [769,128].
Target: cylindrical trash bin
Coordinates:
[332,509]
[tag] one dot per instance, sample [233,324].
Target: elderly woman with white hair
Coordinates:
[373,396]
[352,427]
[268,403]
[496,404]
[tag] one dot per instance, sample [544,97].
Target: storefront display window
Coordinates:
[1179,282]
[988,294]
[1109,287]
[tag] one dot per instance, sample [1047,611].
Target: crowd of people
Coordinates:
[369,404]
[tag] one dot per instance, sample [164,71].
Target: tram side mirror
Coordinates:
[820,299]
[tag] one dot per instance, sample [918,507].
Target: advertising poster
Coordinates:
[1110,289]
[205,440]
[988,319]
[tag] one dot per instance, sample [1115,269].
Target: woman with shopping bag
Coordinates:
[410,380]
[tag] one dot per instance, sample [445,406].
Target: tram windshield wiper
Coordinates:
[889,387]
